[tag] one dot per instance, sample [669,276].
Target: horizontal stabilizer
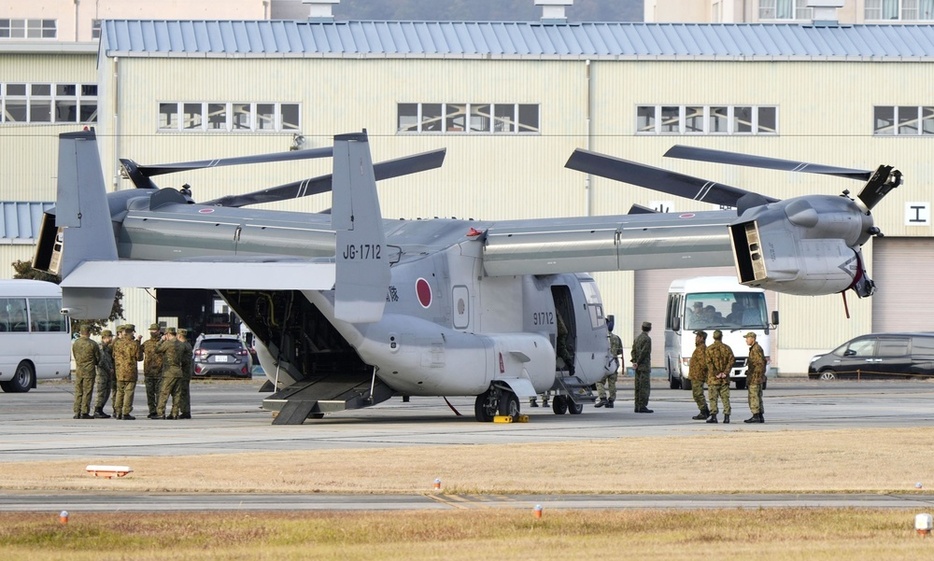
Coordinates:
[287,275]
[88,303]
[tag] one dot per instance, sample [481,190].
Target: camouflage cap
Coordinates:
[646,325]
[718,334]
[84,329]
[129,327]
[155,327]
[702,333]
[170,330]
[107,333]
[750,334]
[182,331]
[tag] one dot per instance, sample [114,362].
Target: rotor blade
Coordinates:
[721,157]
[292,155]
[656,179]
[882,181]
[383,170]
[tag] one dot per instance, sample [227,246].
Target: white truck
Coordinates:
[708,304]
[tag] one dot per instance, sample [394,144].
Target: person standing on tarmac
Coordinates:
[171,352]
[106,378]
[87,357]
[720,360]
[606,386]
[641,356]
[755,377]
[184,393]
[126,367]
[697,373]
[152,368]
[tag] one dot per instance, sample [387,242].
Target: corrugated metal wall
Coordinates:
[825,115]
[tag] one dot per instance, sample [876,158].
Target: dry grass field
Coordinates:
[844,461]
[870,460]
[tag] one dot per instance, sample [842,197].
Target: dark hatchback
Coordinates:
[222,355]
[878,356]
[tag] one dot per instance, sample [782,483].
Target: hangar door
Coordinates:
[651,298]
[902,269]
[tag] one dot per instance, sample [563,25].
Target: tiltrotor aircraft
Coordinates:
[349,309]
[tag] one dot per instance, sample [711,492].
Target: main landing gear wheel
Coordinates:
[575,408]
[509,405]
[485,406]
[559,405]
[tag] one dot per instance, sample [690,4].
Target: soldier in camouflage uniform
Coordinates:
[755,376]
[184,394]
[720,361]
[152,368]
[641,356]
[171,352]
[106,377]
[607,384]
[697,373]
[87,356]
[126,359]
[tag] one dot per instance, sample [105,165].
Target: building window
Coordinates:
[903,120]
[706,119]
[28,29]
[784,10]
[95,29]
[908,10]
[48,103]
[196,116]
[468,118]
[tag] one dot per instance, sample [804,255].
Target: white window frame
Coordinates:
[898,10]
[784,10]
[468,118]
[19,28]
[178,122]
[906,120]
[32,98]
[657,120]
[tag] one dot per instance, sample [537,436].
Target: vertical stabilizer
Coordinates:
[81,210]
[362,259]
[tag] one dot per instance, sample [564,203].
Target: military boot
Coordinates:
[600,402]
[609,404]
[702,415]
[712,418]
[753,419]
[726,419]
[761,418]
[99,414]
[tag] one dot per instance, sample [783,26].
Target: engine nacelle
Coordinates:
[808,247]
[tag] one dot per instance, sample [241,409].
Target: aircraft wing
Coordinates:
[609,243]
[232,275]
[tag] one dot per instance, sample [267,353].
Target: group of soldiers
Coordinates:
[114,364]
[712,365]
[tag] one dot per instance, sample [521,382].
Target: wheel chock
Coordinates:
[511,419]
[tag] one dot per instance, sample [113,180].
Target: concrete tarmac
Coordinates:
[227,418]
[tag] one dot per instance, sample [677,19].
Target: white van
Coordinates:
[35,338]
[708,304]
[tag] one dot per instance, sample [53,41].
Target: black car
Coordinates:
[222,355]
[879,356]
